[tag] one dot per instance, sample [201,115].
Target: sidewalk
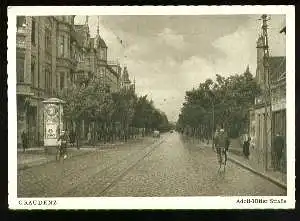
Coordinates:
[236,156]
[36,156]
[275,177]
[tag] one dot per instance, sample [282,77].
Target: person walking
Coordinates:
[64,138]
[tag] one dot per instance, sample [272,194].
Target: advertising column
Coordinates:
[53,121]
[52,124]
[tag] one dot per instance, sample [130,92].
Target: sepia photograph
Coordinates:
[140,106]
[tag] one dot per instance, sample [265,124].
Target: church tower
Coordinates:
[100,45]
[125,81]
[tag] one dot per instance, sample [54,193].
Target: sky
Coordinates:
[168,55]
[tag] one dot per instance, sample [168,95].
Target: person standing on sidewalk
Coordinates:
[246,146]
[24,138]
[278,147]
[89,137]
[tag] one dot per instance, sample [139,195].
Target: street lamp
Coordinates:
[211,87]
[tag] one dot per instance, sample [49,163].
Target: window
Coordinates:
[33,74]
[21,21]
[61,46]
[33,32]
[20,69]
[72,77]
[62,80]
[47,38]
[48,80]
[66,42]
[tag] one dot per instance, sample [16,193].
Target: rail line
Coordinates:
[73,171]
[88,189]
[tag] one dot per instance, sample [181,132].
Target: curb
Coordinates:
[40,163]
[261,174]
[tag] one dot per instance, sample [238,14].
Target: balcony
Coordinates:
[21,38]
[24,89]
[83,66]
[64,62]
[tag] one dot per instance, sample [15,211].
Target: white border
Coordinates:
[150,202]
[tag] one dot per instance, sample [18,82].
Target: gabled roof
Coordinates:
[92,42]
[100,42]
[283,29]
[79,34]
[80,31]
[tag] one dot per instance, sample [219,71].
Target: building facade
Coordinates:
[43,68]
[277,73]
[54,53]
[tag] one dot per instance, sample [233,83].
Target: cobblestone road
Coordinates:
[167,166]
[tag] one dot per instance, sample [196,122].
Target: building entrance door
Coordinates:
[31,125]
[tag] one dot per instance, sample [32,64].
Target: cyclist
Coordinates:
[222,145]
[63,146]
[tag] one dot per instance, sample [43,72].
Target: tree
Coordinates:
[231,98]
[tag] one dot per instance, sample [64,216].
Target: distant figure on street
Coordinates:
[72,138]
[89,137]
[221,141]
[64,140]
[278,147]
[24,141]
[246,146]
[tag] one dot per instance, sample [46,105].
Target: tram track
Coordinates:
[54,184]
[107,177]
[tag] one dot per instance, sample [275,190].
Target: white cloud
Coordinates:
[172,39]
[166,79]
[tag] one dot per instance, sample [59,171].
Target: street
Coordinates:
[165,166]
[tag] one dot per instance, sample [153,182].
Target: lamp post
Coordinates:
[213,113]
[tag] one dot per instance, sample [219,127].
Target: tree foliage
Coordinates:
[230,98]
[94,102]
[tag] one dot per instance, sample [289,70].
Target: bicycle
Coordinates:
[61,152]
[222,158]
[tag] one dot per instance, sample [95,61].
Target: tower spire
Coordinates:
[98,27]
[247,69]
[86,20]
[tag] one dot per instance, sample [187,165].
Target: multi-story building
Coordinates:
[80,40]
[52,54]
[43,67]
[113,76]
[277,73]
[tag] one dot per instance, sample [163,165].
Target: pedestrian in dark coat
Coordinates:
[246,146]
[24,141]
[72,138]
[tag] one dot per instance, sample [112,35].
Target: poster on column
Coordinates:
[51,114]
